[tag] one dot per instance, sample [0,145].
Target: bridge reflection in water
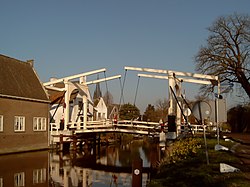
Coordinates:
[108,166]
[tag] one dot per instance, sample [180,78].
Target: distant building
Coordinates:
[101,110]
[24,107]
[104,110]
[97,92]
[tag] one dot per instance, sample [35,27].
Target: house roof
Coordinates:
[57,97]
[19,79]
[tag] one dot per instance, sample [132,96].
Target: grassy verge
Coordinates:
[187,167]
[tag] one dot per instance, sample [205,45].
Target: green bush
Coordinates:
[181,150]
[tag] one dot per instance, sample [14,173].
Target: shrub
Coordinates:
[181,150]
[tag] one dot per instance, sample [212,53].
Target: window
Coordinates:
[99,115]
[19,124]
[39,124]
[19,179]
[39,176]
[1,124]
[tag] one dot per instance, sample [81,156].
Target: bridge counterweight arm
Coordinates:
[181,79]
[178,73]
[104,79]
[74,77]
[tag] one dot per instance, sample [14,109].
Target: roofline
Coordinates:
[41,83]
[13,58]
[24,98]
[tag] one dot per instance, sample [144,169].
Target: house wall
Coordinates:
[102,110]
[11,141]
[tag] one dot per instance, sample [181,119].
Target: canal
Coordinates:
[103,166]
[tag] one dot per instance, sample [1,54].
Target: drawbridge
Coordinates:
[73,110]
[68,124]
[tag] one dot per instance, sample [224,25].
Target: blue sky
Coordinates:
[71,37]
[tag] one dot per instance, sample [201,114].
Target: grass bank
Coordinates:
[185,165]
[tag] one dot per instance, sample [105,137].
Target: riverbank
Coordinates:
[193,169]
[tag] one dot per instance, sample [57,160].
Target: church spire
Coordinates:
[97,92]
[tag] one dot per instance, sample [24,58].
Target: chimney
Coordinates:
[31,62]
[52,79]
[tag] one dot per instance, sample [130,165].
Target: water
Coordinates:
[100,167]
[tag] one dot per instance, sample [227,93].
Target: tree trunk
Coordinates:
[244,82]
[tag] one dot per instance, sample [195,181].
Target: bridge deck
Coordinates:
[125,126]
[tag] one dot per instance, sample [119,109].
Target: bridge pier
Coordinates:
[61,143]
[74,143]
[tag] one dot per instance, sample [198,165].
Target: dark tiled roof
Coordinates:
[57,97]
[18,79]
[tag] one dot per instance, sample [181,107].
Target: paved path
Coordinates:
[242,148]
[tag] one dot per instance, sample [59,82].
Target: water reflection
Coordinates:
[103,166]
[26,169]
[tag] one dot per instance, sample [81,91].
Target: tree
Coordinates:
[227,52]
[162,108]
[150,114]
[108,98]
[129,112]
[238,118]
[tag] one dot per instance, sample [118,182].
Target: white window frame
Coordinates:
[39,176]
[19,179]
[1,124]
[39,124]
[19,124]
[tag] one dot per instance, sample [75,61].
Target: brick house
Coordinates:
[24,107]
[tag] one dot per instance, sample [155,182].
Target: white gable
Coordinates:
[101,110]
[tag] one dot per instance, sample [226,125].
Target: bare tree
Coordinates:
[227,52]
[162,108]
[108,98]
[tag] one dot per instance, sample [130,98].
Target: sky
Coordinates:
[67,37]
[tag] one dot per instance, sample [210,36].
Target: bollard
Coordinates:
[137,172]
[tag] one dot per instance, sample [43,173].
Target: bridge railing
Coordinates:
[108,124]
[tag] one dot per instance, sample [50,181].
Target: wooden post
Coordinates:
[94,145]
[85,111]
[137,172]
[74,143]
[61,143]
[66,104]
[60,160]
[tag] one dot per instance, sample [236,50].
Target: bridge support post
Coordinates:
[162,139]
[137,172]
[85,111]
[94,144]
[74,143]
[61,143]
[171,134]
[66,104]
